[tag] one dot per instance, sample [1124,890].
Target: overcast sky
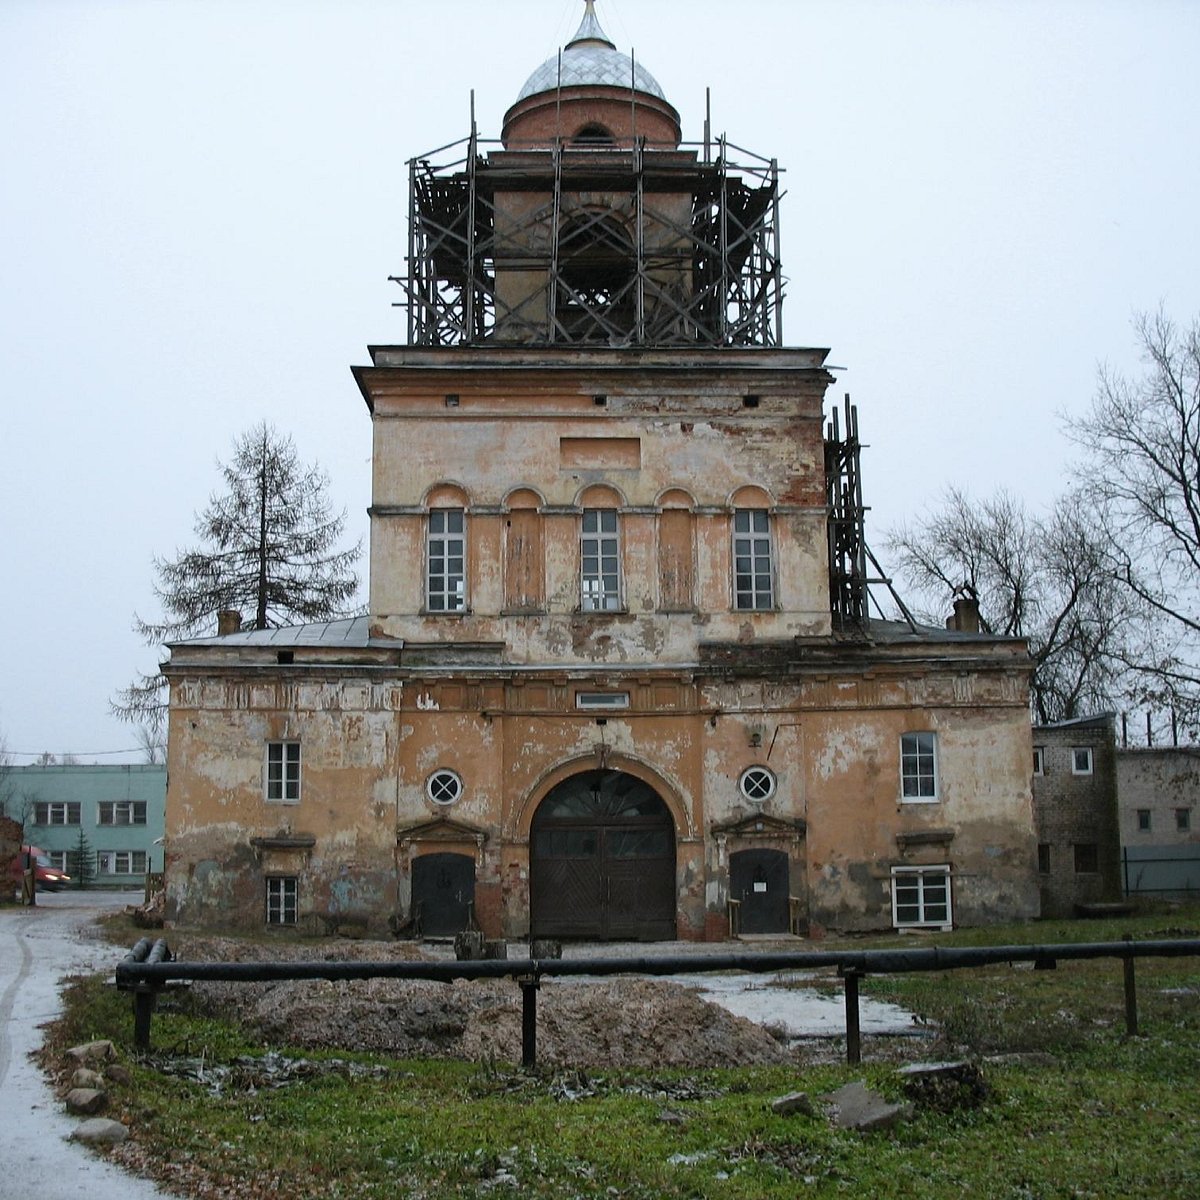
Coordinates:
[200,203]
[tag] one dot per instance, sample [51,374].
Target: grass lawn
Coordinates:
[1086,1113]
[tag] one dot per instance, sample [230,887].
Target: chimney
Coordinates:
[229,620]
[966,615]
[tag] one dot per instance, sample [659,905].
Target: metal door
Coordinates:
[603,861]
[759,879]
[443,893]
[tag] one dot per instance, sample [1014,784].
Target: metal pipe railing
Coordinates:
[146,975]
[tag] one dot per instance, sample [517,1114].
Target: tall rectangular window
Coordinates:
[920,897]
[1044,858]
[1081,760]
[1143,820]
[445,576]
[600,561]
[1039,760]
[918,767]
[1183,819]
[121,812]
[283,772]
[281,900]
[752,559]
[65,812]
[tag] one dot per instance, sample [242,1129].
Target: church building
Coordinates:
[620,676]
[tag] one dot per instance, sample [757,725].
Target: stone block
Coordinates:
[856,1107]
[86,1102]
[100,1131]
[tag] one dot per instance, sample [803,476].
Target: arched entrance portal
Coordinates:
[602,860]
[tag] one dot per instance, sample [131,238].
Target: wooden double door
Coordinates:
[602,861]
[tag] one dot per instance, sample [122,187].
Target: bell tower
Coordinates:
[591,223]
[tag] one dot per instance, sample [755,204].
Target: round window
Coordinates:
[444,786]
[757,784]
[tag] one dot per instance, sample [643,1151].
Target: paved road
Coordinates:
[38,947]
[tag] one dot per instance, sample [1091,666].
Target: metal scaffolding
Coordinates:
[593,244]
[850,583]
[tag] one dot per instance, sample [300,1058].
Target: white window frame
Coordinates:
[600,561]
[281,896]
[56,812]
[915,751]
[121,862]
[58,859]
[1039,760]
[121,812]
[932,912]
[753,561]
[446,561]
[281,772]
[757,784]
[444,787]
[1086,769]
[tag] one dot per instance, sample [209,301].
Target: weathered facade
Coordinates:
[1075,811]
[617,680]
[1158,789]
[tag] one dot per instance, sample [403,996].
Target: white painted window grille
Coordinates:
[1081,760]
[121,812]
[446,562]
[283,772]
[281,899]
[752,587]
[918,767]
[56,812]
[921,897]
[600,561]
[444,786]
[121,862]
[757,784]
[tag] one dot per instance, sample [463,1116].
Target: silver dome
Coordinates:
[590,59]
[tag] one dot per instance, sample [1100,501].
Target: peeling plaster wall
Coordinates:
[697,441]
[219,730]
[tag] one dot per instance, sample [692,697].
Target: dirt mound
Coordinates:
[614,1022]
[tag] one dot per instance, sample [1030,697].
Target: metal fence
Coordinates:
[149,966]
[1162,871]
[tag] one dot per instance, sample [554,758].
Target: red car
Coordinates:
[46,874]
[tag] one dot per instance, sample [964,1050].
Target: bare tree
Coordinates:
[1041,579]
[150,742]
[1141,474]
[269,546]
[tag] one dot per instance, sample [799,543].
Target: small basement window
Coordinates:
[602,700]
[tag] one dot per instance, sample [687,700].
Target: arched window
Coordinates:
[593,134]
